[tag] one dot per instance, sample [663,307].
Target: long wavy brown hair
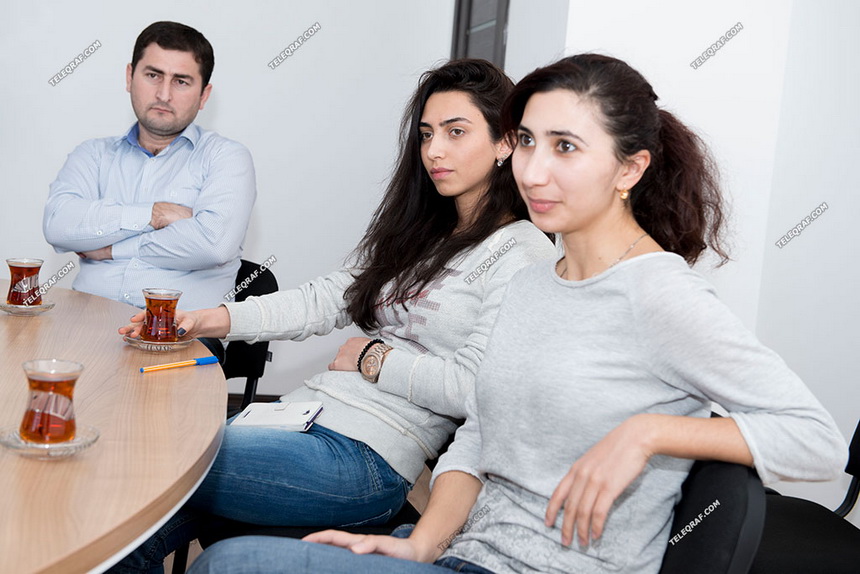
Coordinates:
[411,236]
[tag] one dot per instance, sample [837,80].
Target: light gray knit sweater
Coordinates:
[568,361]
[438,339]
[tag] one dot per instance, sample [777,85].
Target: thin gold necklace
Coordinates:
[614,263]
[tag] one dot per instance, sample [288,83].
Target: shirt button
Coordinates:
[134,226]
[127,296]
[99,232]
[134,265]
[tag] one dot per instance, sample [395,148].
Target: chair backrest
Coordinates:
[718,521]
[852,468]
[240,358]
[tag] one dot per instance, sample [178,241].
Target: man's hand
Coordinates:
[97,254]
[165,213]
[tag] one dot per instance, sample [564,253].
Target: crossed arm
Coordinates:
[163,214]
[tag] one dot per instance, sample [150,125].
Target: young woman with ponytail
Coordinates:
[594,395]
[425,286]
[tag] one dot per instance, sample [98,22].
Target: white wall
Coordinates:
[808,308]
[322,126]
[776,105]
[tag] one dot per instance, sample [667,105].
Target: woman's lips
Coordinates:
[541,205]
[440,172]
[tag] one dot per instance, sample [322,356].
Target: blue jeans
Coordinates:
[268,555]
[273,477]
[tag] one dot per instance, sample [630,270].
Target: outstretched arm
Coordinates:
[453,495]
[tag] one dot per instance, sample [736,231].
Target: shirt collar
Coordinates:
[190,133]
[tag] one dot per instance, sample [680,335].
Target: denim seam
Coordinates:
[372,467]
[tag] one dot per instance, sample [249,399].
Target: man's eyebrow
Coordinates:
[446,122]
[150,68]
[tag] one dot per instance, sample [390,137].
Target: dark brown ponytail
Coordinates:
[678,199]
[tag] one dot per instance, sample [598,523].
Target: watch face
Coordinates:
[371,365]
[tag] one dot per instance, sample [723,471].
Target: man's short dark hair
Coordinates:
[176,36]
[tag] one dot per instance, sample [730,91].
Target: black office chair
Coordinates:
[243,359]
[801,536]
[718,521]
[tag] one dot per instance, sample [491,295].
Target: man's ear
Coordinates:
[128,72]
[205,95]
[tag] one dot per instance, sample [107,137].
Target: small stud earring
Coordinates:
[624,194]
[501,162]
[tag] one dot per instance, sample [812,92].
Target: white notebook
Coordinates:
[292,416]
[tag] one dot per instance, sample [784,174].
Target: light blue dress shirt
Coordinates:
[104,195]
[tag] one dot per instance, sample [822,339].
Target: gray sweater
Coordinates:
[568,361]
[438,339]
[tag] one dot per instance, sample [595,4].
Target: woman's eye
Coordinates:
[425,136]
[525,140]
[457,132]
[566,147]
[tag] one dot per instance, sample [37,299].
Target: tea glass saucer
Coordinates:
[85,437]
[152,347]
[26,310]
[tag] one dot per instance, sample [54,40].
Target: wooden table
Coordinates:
[159,434]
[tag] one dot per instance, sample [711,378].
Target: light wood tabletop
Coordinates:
[159,434]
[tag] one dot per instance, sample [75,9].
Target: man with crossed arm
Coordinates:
[167,204]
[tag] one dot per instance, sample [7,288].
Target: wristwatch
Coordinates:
[371,363]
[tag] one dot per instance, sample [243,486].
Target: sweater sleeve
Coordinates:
[315,308]
[464,454]
[698,345]
[441,384]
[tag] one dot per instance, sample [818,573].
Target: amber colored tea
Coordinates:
[24,282]
[159,326]
[51,413]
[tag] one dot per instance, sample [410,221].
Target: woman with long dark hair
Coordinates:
[593,397]
[425,285]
